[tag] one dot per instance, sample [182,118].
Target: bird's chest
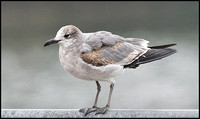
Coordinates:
[71,62]
[68,60]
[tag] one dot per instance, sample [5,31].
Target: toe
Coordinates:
[101,110]
[90,110]
[86,111]
[83,110]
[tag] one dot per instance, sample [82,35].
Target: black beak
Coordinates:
[50,42]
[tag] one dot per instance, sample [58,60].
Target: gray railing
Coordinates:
[112,113]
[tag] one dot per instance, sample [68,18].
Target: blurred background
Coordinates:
[32,77]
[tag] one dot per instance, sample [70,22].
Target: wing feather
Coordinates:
[107,48]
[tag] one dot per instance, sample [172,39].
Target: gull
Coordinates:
[101,56]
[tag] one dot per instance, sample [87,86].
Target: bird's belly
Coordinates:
[78,68]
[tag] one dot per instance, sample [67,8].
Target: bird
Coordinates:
[102,56]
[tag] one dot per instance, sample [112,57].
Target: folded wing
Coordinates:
[105,48]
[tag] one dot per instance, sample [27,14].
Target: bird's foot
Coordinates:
[102,110]
[88,110]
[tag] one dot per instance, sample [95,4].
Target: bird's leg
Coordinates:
[104,109]
[97,95]
[94,107]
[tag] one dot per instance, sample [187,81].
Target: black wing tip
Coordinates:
[173,44]
[162,46]
[165,52]
[172,50]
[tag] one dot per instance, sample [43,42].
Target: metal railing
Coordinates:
[112,113]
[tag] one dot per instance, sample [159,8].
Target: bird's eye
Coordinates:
[67,35]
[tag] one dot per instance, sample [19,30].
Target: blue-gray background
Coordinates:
[32,76]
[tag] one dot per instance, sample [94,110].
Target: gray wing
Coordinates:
[105,48]
[98,39]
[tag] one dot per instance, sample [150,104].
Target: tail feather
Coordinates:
[155,53]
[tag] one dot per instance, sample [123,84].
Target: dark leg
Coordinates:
[104,109]
[97,95]
[94,107]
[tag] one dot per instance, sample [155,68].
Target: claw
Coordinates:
[83,110]
[86,111]
[101,110]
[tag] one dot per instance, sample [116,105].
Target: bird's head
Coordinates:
[65,35]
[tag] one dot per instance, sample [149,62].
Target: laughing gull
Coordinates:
[101,56]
